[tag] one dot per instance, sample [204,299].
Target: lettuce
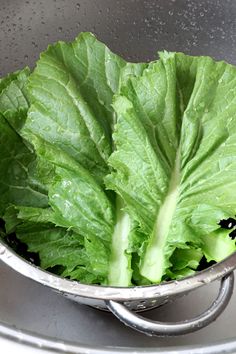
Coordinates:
[119,173]
[19,183]
[175,158]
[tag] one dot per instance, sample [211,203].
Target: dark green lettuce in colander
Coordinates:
[117,173]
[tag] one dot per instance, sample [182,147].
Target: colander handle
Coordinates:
[156,328]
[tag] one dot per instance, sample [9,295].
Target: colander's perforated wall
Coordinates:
[136,28]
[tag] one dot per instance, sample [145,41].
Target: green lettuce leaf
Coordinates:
[18,165]
[61,250]
[14,101]
[174,164]
[188,257]
[57,247]
[70,123]
[71,92]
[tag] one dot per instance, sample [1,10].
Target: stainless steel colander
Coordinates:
[125,302]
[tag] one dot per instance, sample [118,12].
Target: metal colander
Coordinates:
[125,302]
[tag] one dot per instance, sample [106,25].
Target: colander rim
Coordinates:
[100,292]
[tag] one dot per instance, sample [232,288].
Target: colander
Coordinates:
[124,303]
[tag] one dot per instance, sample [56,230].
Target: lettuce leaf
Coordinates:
[71,92]
[18,165]
[14,101]
[59,249]
[24,182]
[70,123]
[174,164]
